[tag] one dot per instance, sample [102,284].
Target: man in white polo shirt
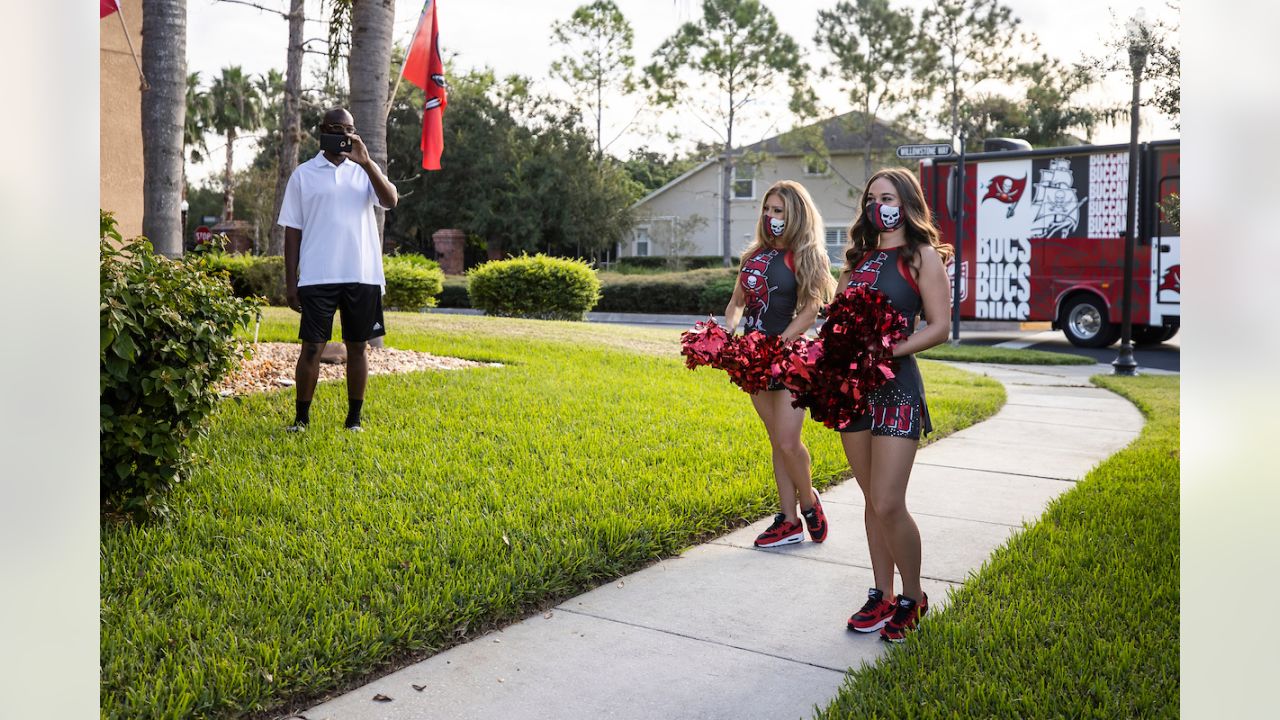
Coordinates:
[333,257]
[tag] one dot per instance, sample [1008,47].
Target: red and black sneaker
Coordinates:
[874,613]
[816,520]
[781,532]
[906,617]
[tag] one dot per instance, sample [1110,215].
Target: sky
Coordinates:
[513,37]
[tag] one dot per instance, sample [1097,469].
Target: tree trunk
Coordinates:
[164,109]
[369,70]
[228,189]
[290,121]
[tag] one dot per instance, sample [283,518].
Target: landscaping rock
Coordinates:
[334,353]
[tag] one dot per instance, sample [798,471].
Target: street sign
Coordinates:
[924,151]
[203,235]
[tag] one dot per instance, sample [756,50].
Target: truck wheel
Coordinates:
[1152,335]
[1085,323]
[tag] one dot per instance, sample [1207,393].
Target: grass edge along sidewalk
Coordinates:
[1076,616]
[1006,356]
[296,566]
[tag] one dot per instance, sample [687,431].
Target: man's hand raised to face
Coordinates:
[359,153]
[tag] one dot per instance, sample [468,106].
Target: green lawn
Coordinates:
[297,565]
[1077,616]
[988,354]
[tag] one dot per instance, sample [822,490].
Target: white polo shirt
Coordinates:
[333,207]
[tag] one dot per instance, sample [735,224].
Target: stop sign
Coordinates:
[203,234]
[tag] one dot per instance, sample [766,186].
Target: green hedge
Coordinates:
[454,294]
[252,276]
[660,263]
[686,293]
[541,287]
[695,292]
[167,337]
[413,282]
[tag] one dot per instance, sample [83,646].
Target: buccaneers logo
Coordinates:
[1006,190]
[868,273]
[1172,279]
[756,284]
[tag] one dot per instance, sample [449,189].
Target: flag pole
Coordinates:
[145,85]
[400,75]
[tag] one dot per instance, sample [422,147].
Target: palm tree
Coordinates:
[164,63]
[199,110]
[237,105]
[368,69]
[290,119]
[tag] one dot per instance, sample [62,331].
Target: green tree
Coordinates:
[164,64]
[1047,114]
[1163,70]
[651,169]
[969,42]
[876,58]
[597,40]
[196,124]
[237,106]
[517,178]
[733,55]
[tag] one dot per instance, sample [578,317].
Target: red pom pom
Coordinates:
[703,344]
[748,359]
[852,357]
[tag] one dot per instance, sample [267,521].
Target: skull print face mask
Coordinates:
[775,226]
[886,218]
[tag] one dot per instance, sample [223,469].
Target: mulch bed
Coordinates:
[272,366]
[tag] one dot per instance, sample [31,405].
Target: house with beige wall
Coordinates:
[683,217]
[120,119]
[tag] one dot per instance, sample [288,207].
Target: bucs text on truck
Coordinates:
[1044,237]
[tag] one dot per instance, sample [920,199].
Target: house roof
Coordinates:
[842,135]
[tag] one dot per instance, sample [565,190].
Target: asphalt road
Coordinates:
[1166,356]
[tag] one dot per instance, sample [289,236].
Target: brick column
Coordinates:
[449,245]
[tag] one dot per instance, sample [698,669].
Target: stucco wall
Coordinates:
[699,194]
[120,154]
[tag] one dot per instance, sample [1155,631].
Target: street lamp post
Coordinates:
[1139,46]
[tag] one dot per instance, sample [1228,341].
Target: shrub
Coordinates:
[166,340]
[252,276]
[454,294]
[661,263]
[541,287]
[693,292]
[413,282]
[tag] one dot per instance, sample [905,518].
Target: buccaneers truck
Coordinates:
[1044,237]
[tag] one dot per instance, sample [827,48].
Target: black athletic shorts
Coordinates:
[360,304]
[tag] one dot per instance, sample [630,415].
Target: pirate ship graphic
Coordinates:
[1055,200]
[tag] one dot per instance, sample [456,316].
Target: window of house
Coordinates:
[744,182]
[816,167]
[835,237]
[642,242]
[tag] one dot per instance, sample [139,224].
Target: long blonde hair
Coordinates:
[803,235]
[863,236]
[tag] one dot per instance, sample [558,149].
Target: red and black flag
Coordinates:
[424,68]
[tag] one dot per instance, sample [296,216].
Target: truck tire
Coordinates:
[1152,335]
[1085,323]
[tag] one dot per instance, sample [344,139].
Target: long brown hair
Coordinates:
[803,235]
[863,236]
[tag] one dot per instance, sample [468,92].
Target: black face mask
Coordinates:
[885,218]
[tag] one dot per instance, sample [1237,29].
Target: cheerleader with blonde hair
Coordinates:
[784,279]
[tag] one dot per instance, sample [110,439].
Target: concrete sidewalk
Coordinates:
[695,636]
